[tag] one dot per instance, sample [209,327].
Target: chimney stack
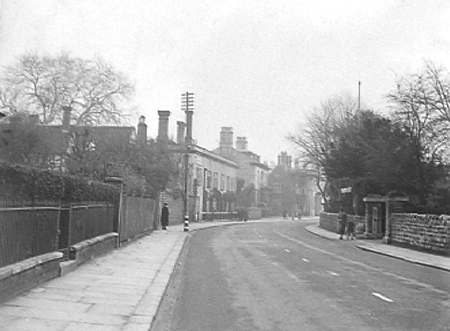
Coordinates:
[142,130]
[241,143]
[181,126]
[163,129]
[33,119]
[189,113]
[226,137]
[67,113]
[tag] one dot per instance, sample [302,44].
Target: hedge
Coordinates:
[31,184]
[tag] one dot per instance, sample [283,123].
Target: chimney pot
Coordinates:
[163,128]
[142,130]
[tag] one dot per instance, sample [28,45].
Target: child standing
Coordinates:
[351,230]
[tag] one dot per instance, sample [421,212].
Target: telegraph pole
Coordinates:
[187,105]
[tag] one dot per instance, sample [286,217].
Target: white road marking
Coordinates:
[306,260]
[382,297]
[287,250]
[361,264]
[333,273]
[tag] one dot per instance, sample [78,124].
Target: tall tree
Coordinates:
[421,103]
[97,93]
[319,136]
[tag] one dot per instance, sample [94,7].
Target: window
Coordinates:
[199,176]
[208,179]
[222,182]
[228,188]
[216,180]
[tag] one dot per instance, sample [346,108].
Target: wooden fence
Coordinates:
[138,216]
[26,232]
[30,230]
[79,222]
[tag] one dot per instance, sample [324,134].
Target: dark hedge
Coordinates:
[25,183]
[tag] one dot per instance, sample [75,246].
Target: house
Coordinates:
[66,141]
[252,172]
[293,189]
[212,178]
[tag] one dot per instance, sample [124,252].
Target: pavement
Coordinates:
[426,259]
[122,290]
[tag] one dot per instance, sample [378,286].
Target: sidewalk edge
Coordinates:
[404,258]
[310,229]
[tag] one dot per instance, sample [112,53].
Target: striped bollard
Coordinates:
[186,223]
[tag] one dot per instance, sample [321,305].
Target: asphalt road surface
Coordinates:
[277,276]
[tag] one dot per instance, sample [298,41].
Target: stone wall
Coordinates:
[330,222]
[428,232]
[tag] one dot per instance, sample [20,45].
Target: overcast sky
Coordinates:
[255,65]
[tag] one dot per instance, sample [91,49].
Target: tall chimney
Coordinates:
[181,126]
[226,137]
[67,111]
[241,143]
[163,129]
[189,113]
[142,130]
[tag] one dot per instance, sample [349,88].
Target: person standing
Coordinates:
[350,229]
[164,216]
[342,223]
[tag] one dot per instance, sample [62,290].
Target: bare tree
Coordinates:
[320,134]
[421,103]
[43,85]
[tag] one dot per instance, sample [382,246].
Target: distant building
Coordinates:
[251,170]
[292,189]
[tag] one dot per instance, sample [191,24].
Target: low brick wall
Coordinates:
[91,248]
[427,232]
[330,222]
[24,275]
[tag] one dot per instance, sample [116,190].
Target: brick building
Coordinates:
[251,170]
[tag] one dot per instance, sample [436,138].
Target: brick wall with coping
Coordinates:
[427,232]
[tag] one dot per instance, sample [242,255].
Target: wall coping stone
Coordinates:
[90,242]
[27,264]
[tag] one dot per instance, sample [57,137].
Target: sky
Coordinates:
[255,65]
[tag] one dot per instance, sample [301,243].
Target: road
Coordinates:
[277,276]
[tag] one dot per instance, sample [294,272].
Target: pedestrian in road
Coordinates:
[241,213]
[342,223]
[164,216]
[350,229]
